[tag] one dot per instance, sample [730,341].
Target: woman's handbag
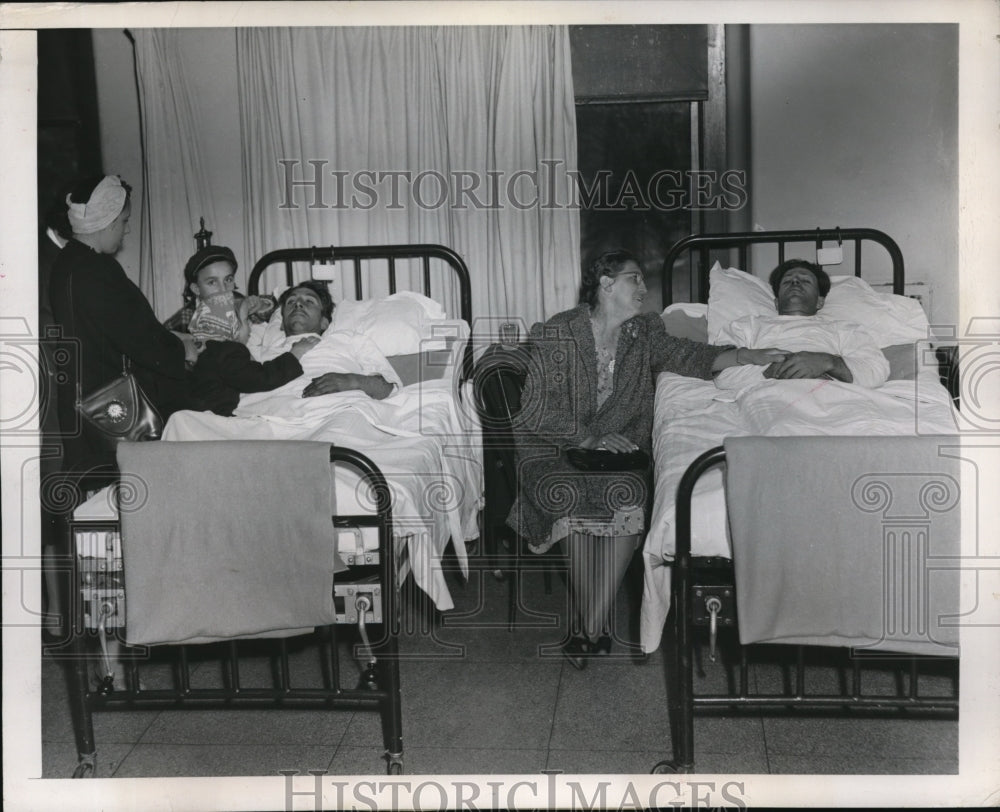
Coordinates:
[120,410]
[596,459]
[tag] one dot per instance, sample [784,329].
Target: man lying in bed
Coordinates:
[307,309]
[817,348]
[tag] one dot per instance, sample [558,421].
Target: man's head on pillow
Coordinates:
[800,287]
[306,308]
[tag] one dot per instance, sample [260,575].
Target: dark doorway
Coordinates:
[634,162]
[637,89]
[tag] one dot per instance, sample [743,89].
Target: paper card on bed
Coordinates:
[326,271]
[830,256]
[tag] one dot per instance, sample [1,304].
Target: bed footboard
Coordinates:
[703,619]
[302,672]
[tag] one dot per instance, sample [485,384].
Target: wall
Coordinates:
[118,117]
[852,125]
[211,55]
[858,126]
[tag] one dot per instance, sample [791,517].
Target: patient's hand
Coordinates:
[242,317]
[809,365]
[303,345]
[375,386]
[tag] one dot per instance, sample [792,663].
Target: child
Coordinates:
[225,368]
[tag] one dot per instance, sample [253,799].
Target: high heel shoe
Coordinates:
[577,650]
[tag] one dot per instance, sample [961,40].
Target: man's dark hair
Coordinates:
[317,287]
[822,279]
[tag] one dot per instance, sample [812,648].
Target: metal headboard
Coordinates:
[375,256]
[356,254]
[699,249]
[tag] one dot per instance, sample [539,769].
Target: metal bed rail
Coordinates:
[704,595]
[702,249]
[376,258]
[370,596]
[356,254]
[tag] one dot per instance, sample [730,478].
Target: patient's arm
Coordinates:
[375,386]
[810,365]
[858,360]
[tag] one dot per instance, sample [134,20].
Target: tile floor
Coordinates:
[478,699]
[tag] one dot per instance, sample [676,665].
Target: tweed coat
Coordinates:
[559,410]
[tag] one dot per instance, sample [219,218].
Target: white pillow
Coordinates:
[686,320]
[271,335]
[889,318]
[733,294]
[397,323]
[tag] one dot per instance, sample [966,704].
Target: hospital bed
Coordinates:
[790,557]
[169,665]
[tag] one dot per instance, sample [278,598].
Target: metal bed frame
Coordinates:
[703,588]
[703,249]
[366,596]
[361,256]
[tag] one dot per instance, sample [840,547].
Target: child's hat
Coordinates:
[206,256]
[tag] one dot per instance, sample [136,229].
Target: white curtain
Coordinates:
[175,193]
[472,128]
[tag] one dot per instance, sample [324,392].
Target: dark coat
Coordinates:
[110,317]
[225,369]
[559,410]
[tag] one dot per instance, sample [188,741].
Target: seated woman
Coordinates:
[590,385]
[98,305]
[225,369]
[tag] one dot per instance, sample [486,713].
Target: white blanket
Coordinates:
[692,416]
[425,444]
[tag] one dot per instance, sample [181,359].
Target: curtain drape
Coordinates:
[464,136]
[176,193]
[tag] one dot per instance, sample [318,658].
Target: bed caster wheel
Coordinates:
[369,679]
[395,766]
[105,685]
[87,767]
[666,767]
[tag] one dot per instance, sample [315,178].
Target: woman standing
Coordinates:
[590,385]
[98,305]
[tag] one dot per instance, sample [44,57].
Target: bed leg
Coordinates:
[680,681]
[391,712]
[83,722]
[87,766]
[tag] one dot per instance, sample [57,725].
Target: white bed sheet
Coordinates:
[691,416]
[426,444]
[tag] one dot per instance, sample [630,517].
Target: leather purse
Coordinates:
[120,410]
[594,459]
